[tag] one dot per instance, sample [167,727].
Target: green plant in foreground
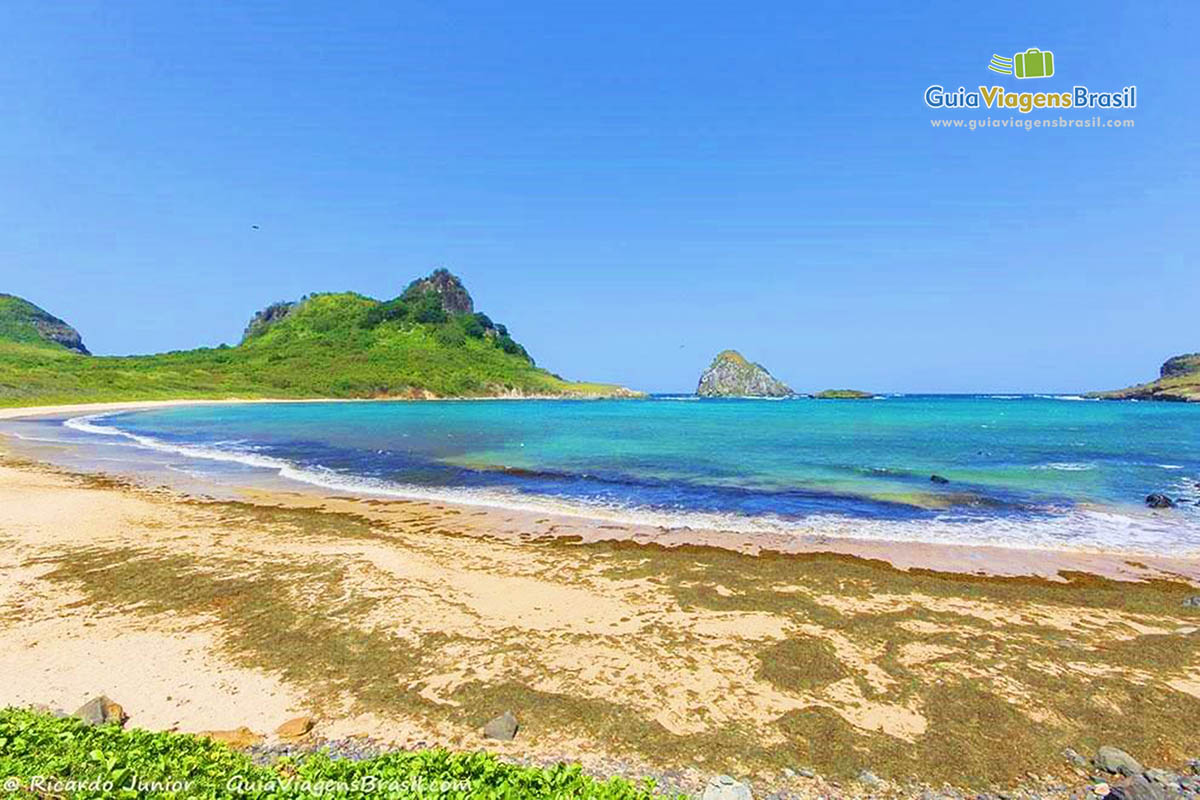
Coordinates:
[46,756]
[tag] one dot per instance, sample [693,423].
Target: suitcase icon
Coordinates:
[1034,63]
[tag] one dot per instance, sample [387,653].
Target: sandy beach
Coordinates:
[642,651]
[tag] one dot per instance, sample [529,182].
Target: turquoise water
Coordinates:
[1021,470]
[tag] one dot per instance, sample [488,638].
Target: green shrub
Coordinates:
[426,307]
[72,759]
[450,335]
[471,326]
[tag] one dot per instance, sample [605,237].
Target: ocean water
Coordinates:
[1023,470]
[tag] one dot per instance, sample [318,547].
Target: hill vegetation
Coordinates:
[420,344]
[1179,381]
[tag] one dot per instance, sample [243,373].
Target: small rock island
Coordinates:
[843,394]
[731,375]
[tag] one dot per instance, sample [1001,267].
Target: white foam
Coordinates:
[1066,466]
[1073,397]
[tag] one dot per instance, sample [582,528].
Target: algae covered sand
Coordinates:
[408,622]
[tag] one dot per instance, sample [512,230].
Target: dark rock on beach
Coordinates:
[938,479]
[724,787]
[101,711]
[1136,788]
[1117,762]
[503,727]
[1158,500]
[1163,777]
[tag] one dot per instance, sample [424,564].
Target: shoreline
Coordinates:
[413,623]
[968,558]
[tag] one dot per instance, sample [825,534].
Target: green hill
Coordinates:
[1179,380]
[426,342]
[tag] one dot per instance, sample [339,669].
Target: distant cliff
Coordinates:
[1179,381]
[22,321]
[731,375]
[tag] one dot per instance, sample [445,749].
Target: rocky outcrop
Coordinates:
[21,320]
[267,317]
[1180,365]
[1179,381]
[731,375]
[455,297]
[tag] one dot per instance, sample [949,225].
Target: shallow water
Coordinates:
[1023,471]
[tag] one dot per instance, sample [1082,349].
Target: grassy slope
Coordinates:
[324,349]
[16,323]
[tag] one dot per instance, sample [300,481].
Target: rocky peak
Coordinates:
[267,317]
[731,375]
[455,298]
[27,321]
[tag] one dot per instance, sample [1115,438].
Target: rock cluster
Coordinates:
[731,375]
[1112,774]
[455,297]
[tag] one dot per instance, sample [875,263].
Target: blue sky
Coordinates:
[631,187]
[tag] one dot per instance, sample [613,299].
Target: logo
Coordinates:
[1033,63]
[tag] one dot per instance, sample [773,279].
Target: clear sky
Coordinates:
[630,186]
